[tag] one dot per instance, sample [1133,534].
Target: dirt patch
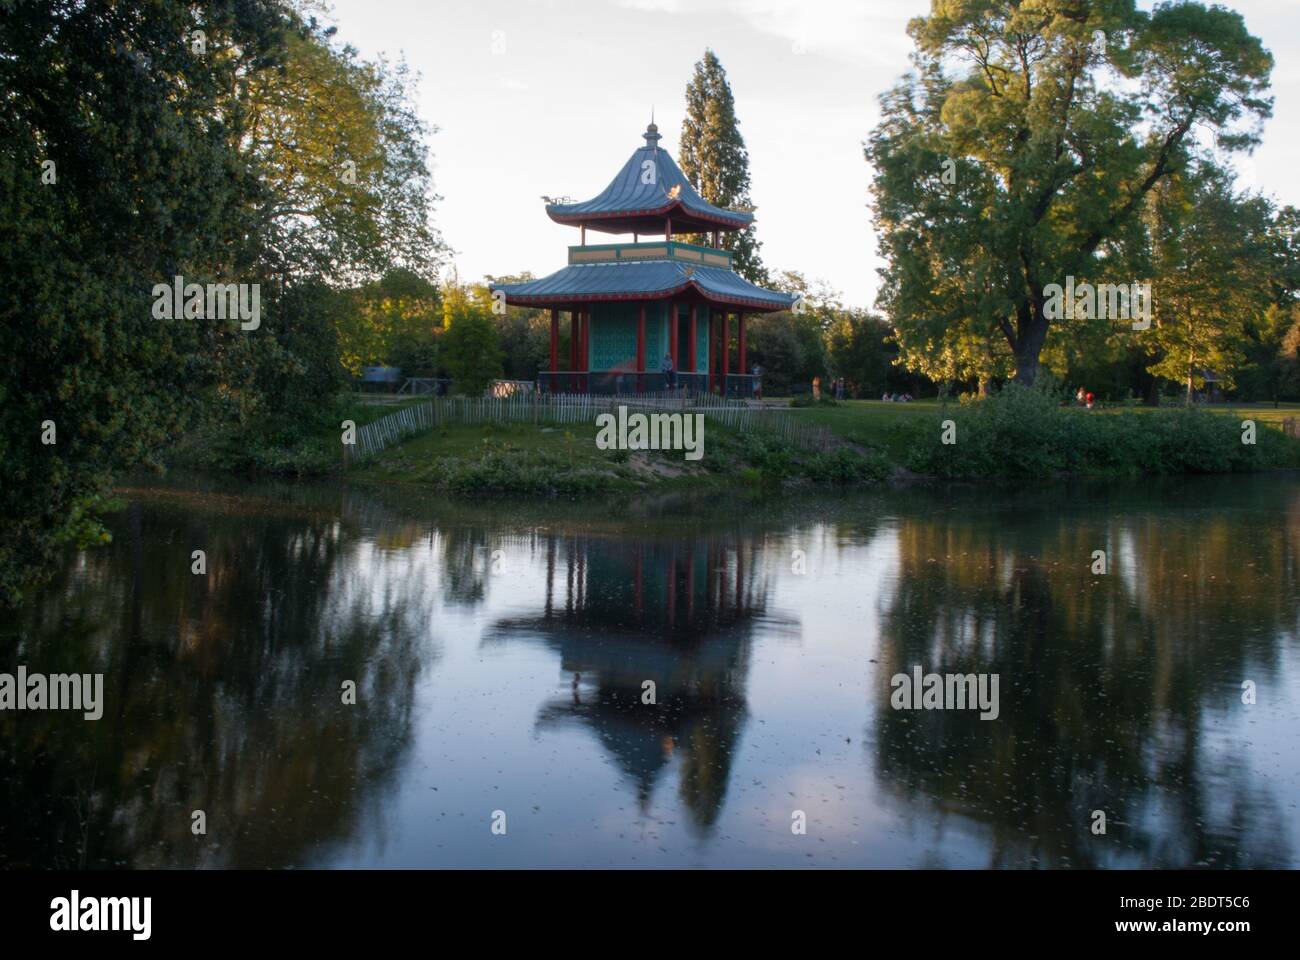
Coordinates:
[658,468]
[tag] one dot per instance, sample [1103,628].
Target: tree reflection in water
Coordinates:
[1111,686]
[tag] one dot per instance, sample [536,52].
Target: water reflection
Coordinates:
[223,692]
[1116,689]
[501,654]
[656,636]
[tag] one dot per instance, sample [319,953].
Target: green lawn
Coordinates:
[1260,412]
[530,458]
[409,460]
[870,422]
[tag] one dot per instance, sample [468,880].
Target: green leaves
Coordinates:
[470,349]
[128,155]
[714,159]
[1051,158]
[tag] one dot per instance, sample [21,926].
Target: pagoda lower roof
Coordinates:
[643,280]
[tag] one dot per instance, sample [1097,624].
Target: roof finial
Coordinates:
[652,131]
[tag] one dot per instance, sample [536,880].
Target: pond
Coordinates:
[374,677]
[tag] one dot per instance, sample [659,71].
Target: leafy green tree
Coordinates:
[525,334]
[117,172]
[1211,259]
[714,158]
[859,351]
[393,321]
[338,146]
[143,141]
[470,348]
[1033,160]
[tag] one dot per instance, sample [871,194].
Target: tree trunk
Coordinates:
[1029,345]
[1027,366]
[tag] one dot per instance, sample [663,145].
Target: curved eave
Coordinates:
[686,219]
[566,300]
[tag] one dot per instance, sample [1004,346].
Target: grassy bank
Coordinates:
[298,447]
[1018,434]
[1025,434]
[552,460]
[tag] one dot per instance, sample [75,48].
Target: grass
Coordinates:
[1016,434]
[564,460]
[872,423]
[522,458]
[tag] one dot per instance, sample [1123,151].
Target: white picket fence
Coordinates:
[373,438]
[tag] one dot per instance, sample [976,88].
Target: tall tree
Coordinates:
[116,173]
[1034,162]
[715,161]
[1212,254]
[470,348]
[338,145]
[209,140]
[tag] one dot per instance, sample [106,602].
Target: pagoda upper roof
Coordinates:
[649,189]
[643,280]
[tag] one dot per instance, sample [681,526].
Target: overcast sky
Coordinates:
[536,97]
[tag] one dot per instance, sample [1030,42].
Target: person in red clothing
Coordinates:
[1088,399]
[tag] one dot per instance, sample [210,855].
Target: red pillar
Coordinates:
[573,339]
[584,318]
[672,334]
[712,341]
[743,368]
[691,343]
[584,357]
[640,342]
[726,349]
[555,339]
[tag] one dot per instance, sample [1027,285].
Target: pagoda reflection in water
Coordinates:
[679,614]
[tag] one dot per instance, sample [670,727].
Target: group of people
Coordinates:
[896,397]
[836,387]
[1085,398]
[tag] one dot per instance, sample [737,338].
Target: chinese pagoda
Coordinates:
[630,305]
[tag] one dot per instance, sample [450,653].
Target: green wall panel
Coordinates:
[613,336]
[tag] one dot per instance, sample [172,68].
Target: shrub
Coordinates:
[844,465]
[1022,433]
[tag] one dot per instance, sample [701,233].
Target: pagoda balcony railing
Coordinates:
[691,253]
[632,384]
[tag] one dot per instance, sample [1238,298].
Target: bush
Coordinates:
[1021,433]
[844,465]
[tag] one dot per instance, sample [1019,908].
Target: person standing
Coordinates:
[756,384]
[670,375]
